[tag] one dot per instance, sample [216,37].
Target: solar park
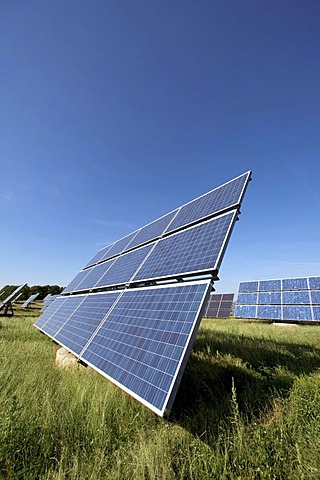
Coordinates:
[132,314]
[133,311]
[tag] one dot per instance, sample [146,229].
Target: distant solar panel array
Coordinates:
[219,305]
[133,311]
[295,299]
[29,300]
[5,305]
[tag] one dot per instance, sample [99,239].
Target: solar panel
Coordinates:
[48,300]
[81,324]
[288,299]
[216,201]
[196,249]
[17,297]
[142,344]
[11,297]
[30,299]
[152,231]
[50,310]
[133,311]
[219,305]
[227,195]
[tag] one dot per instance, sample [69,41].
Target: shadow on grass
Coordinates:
[261,369]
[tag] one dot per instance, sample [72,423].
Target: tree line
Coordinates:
[27,291]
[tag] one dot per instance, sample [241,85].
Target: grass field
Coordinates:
[248,407]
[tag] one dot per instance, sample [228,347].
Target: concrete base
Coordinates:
[279,324]
[65,359]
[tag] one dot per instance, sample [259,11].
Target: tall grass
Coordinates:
[248,407]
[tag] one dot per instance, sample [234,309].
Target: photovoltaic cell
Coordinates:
[297,313]
[152,230]
[119,246]
[295,298]
[294,284]
[124,267]
[142,344]
[99,256]
[247,287]
[268,298]
[269,285]
[50,311]
[61,315]
[76,281]
[196,249]
[315,297]
[85,319]
[316,313]
[266,312]
[217,200]
[245,311]
[247,298]
[94,276]
[314,283]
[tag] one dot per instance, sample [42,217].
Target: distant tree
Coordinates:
[27,291]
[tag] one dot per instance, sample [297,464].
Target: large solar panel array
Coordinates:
[289,299]
[133,311]
[219,305]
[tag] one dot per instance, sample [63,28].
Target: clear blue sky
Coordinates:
[115,112]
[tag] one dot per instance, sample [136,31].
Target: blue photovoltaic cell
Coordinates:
[316,313]
[297,313]
[269,298]
[80,326]
[99,256]
[225,196]
[269,312]
[49,311]
[77,279]
[295,298]
[94,276]
[315,297]
[119,246]
[192,250]
[269,285]
[246,287]
[294,284]
[314,283]
[152,230]
[245,311]
[247,298]
[62,314]
[124,267]
[142,343]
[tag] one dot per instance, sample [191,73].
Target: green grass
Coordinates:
[248,407]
